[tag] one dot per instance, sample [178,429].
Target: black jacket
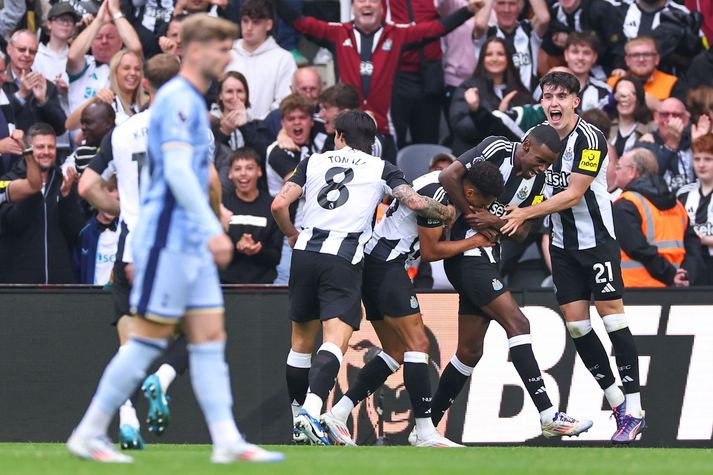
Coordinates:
[37,234]
[627,224]
[471,127]
[31,112]
[701,71]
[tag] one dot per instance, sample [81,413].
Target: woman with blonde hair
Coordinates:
[125,93]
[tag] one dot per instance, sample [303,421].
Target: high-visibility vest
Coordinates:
[664,229]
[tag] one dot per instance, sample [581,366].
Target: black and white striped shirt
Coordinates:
[589,222]
[699,208]
[396,235]
[525,46]
[518,191]
[341,190]
[595,95]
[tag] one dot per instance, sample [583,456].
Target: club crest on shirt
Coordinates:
[522,193]
[414,302]
[387,45]
[497,285]
[568,155]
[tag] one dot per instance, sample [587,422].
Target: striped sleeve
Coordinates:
[493,149]
[590,150]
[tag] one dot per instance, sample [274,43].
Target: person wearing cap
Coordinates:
[51,59]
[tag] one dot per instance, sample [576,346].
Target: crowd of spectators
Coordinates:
[448,72]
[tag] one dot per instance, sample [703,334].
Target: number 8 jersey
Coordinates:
[341,190]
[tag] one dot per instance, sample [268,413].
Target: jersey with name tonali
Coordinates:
[699,208]
[589,222]
[341,190]
[396,235]
[518,191]
[178,119]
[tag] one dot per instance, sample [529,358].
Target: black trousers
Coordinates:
[415,111]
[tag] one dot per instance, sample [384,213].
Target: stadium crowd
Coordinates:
[447,72]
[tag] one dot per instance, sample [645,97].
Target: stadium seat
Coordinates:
[413,160]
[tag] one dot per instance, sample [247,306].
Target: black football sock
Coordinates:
[297,375]
[450,385]
[526,365]
[418,383]
[371,377]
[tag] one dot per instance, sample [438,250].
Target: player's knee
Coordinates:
[517,324]
[470,356]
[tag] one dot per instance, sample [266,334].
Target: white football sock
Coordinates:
[166,375]
[614,395]
[633,405]
[342,409]
[127,415]
[548,415]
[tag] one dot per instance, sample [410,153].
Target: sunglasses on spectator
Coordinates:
[641,55]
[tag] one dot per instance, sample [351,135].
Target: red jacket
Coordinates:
[385,58]
[423,10]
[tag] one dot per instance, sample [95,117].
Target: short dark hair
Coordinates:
[586,37]
[342,95]
[599,119]
[40,128]
[160,69]
[357,128]
[546,135]
[296,102]
[258,10]
[566,81]
[106,110]
[245,153]
[486,178]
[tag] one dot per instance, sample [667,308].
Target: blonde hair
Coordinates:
[641,40]
[139,97]
[201,28]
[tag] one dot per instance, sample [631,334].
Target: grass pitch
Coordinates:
[53,459]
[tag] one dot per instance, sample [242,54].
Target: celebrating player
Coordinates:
[341,190]
[585,254]
[391,303]
[177,243]
[522,166]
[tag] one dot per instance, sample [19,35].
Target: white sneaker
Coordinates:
[245,452]
[436,440]
[97,448]
[337,430]
[565,425]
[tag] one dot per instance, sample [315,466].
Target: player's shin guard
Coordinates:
[627,356]
[322,376]
[371,377]
[123,374]
[595,358]
[418,383]
[450,385]
[211,385]
[526,365]
[627,359]
[297,376]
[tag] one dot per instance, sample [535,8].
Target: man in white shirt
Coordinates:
[105,35]
[267,67]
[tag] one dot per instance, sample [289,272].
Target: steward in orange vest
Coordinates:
[652,227]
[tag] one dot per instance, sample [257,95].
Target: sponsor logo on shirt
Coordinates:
[590,160]
[538,199]
[557,179]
